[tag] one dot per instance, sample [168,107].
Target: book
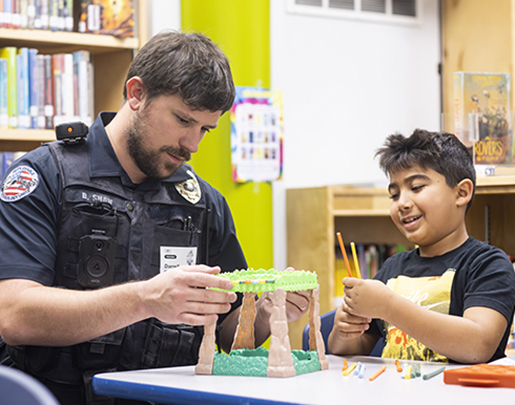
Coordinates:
[40,96]
[68,15]
[48,78]
[57,82]
[43,14]
[9,53]
[7,160]
[2,14]
[3,93]
[82,62]
[67,90]
[107,17]
[8,13]
[33,88]
[482,105]
[16,17]
[31,14]
[24,16]
[23,88]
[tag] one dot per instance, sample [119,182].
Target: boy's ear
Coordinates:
[465,190]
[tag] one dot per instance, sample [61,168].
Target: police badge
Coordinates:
[190,189]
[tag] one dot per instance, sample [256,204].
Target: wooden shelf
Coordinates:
[28,135]
[55,41]
[110,56]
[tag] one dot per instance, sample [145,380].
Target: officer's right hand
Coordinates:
[181,295]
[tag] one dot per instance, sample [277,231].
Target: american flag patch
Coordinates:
[20,182]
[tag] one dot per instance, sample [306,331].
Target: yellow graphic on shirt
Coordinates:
[432,293]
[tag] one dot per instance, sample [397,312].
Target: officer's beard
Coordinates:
[147,160]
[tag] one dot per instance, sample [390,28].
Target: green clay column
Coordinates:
[241,28]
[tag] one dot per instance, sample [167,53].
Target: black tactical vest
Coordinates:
[119,231]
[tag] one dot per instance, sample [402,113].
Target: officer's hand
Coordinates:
[297,303]
[181,295]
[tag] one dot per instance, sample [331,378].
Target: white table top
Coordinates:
[180,385]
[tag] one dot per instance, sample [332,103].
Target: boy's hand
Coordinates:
[348,326]
[366,298]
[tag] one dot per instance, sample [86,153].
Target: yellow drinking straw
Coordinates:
[355,256]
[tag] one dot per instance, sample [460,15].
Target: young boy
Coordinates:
[450,299]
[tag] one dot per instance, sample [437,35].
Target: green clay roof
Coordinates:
[269,280]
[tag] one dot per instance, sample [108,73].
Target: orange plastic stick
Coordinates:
[378,373]
[345,366]
[398,365]
[344,253]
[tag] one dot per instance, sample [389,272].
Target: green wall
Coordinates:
[241,28]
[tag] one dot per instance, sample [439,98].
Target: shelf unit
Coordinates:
[362,215]
[111,58]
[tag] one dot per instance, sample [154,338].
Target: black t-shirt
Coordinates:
[473,275]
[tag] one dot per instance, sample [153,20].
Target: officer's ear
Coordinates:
[135,92]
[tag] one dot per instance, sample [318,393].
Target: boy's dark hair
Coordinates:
[439,151]
[189,65]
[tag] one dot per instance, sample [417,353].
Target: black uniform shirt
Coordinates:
[31,200]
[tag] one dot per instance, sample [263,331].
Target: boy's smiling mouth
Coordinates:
[410,220]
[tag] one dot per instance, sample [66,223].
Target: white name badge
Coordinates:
[171,257]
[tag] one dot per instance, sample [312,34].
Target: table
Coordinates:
[180,385]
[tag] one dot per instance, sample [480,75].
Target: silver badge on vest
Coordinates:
[190,189]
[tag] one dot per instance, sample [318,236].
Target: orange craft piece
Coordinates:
[482,375]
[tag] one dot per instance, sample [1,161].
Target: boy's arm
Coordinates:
[472,338]
[348,337]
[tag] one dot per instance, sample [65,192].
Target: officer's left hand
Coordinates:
[297,303]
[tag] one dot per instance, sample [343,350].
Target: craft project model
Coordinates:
[279,360]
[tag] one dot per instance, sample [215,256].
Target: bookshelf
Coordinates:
[110,56]
[362,215]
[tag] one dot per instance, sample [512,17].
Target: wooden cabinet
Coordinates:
[362,215]
[111,58]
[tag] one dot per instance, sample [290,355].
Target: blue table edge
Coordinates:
[179,396]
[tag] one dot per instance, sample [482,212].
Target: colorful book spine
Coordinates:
[68,95]
[24,17]
[23,88]
[3,93]
[31,14]
[43,14]
[40,96]
[49,92]
[16,17]
[68,15]
[57,79]
[7,160]
[33,88]
[9,53]
[82,60]
[8,13]
[2,14]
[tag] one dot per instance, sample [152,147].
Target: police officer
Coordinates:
[110,239]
